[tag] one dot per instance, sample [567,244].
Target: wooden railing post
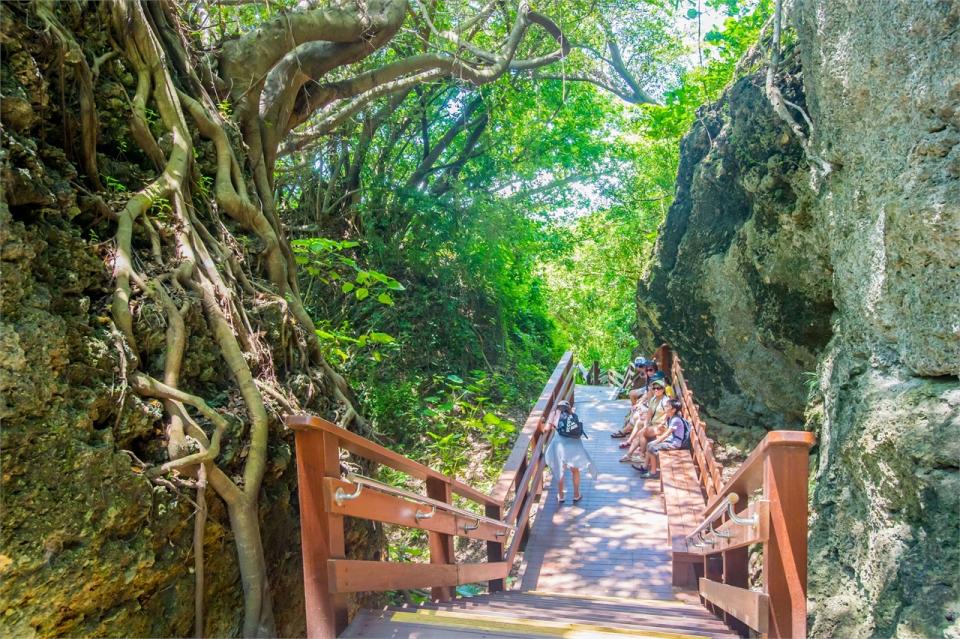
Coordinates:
[494,548]
[785,554]
[736,570]
[441,544]
[321,533]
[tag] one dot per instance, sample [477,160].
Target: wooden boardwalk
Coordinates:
[614,541]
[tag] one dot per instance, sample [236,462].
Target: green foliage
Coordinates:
[601,256]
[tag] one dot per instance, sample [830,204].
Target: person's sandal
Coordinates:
[619,434]
[561,499]
[640,467]
[629,458]
[576,499]
[625,445]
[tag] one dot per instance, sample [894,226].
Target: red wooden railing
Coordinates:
[326,498]
[764,502]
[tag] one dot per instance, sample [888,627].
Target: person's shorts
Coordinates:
[667,445]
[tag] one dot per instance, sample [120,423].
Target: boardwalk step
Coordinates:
[627,621]
[572,605]
[408,623]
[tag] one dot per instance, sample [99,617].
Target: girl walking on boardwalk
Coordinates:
[566,450]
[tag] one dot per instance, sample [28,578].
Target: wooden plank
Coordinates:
[785,553]
[354,575]
[749,477]
[495,551]
[523,443]
[321,533]
[375,452]
[746,605]
[524,517]
[473,573]
[441,544]
[523,488]
[389,509]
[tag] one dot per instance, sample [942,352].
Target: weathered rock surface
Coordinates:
[884,93]
[741,283]
[759,277]
[89,547]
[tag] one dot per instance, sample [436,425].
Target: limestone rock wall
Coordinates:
[832,302]
[883,87]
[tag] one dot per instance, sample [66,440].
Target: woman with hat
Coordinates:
[653,422]
[567,451]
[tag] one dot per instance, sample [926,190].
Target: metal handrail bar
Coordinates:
[399,492]
[718,511]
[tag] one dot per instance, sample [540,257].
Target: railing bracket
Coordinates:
[419,515]
[341,496]
[722,534]
[753,520]
[468,527]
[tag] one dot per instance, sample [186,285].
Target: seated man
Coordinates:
[671,439]
[653,421]
[634,377]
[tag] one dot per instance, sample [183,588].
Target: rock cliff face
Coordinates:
[760,277]
[884,93]
[740,284]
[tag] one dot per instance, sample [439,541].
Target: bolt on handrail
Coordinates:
[361,481]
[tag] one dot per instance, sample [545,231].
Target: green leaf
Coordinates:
[692,13]
[381,338]
[347,287]
[456,379]
[490,418]
[362,293]
[394,285]
[384,298]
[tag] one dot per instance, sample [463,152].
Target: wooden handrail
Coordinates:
[375,452]
[729,524]
[749,477]
[326,498]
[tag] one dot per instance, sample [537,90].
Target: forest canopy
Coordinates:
[393,213]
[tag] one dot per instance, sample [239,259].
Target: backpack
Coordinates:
[569,425]
[685,442]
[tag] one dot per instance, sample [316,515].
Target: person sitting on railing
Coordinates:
[634,377]
[565,451]
[671,439]
[653,424]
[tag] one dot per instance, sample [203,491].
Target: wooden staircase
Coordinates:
[541,614]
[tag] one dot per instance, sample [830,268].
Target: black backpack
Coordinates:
[569,425]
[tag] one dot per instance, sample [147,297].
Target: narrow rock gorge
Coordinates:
[828,297]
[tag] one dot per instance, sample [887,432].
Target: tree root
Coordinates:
[821,167]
